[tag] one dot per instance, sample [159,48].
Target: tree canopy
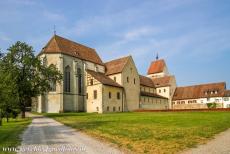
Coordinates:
[23,76]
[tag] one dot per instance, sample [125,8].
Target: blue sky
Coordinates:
[193,36]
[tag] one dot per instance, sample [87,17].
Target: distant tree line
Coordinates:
[22,77]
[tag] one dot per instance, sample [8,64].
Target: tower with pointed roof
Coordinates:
[164,82]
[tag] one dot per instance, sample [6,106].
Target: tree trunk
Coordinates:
[23,108]
[23,113]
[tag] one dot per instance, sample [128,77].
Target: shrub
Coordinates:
[211,105]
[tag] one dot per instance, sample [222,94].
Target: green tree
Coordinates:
[8,92]
[30,76]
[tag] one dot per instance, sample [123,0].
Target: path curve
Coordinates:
[219,145]
[45,135]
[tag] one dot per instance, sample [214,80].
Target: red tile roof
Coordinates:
[116,66]
[227,93]
[59,44]
[156,66]
[103,78]
[145,81]
[163,81]
[143,93]
[200,91]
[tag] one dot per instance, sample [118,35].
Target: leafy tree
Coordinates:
[30,76]
[8,92]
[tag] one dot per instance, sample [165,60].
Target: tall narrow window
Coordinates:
[95,94]
[128,79]
[79,80]
[67,79]
[134,81]
[114,78]
[52,80]
[52,85]
[91,82]
[110,95]
[118,95]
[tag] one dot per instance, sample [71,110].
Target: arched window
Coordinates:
[79,80]
[67,79]
[52,80]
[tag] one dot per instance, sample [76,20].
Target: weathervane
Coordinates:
[54,30]
[157,57]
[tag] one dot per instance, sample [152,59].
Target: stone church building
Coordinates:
[91,85]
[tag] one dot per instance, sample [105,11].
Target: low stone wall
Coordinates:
[186,110]
[195,106]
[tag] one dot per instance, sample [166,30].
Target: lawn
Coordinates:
[10,132]
[162,132]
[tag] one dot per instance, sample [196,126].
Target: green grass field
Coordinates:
[150,132]
[10,132]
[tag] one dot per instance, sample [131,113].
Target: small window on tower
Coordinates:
[118,95]
[128,79]
[95,94]
[114,78]
[110,95]
[91,82]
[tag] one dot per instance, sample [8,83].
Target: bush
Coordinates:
[211,105]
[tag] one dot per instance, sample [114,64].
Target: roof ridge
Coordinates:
[54,37]
[204,84]
[74,42]
[118,58]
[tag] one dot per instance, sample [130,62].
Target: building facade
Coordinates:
[90,85]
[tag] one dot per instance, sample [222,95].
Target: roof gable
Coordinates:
[145,81]
[163,81]
[116,66]
[200,91]
[102,78]
[157,66]
[227,93]
[59,44]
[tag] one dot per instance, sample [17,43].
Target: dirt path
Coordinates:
[45,135]
[219,145]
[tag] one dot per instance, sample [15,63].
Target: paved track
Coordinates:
[45,135]
[219,145]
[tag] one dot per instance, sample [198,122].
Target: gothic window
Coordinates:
[52,81]
[52,85]
[79,75]
[67,79]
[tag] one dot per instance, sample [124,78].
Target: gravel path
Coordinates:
[219,145]
[45,135]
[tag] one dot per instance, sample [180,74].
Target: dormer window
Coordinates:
[76,53]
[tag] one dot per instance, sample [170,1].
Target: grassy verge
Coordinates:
[10,132]
[150,132]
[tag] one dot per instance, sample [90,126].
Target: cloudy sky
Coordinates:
[193,36]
